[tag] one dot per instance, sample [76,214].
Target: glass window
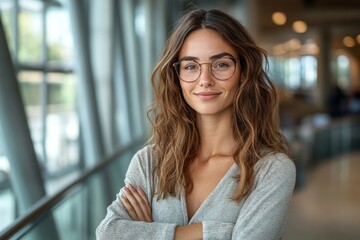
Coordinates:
[62,90]
[343,71]
[59,39]
[30,87]
[276,70]
[7,201]
[6,9]
[140,20]
[292,73]
[31,91]
[48,89]
[309,71]
[30,32]
[62,123]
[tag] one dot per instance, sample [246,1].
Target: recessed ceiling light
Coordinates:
[299,26]
[279,18]
[311,48]
[294,44]
[358,39]
[348,41]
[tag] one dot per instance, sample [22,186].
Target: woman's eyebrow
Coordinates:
[220,55]
[189,58]
[216,56]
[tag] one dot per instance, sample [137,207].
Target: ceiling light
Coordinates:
[358,39]
[348,41]
[294,44]
[279,18]
[311,48]
[299,26]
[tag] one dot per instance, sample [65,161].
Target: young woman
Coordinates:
[216,164]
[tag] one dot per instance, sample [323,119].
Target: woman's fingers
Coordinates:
[130,210]
[145,201]
[136,204]
[142,201]
[132,198]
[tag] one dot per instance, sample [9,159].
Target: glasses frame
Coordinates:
[176,65]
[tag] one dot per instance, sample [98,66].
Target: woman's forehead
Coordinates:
[205,43]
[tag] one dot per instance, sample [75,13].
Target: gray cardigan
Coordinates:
[262,215]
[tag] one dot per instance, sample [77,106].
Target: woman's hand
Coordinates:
[136,204]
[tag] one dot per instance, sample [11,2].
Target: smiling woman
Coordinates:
[215,166]
[218,83]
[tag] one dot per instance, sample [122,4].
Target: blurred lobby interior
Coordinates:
[75,87]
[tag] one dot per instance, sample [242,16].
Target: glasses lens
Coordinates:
[189,70]
[223,68]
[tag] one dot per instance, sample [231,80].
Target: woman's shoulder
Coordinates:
[276,163]
[144,152]
[275,158]
[143,159]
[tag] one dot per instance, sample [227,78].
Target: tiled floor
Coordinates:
[328,206]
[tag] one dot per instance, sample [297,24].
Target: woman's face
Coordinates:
[207,95]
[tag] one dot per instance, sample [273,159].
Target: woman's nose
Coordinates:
[206,78]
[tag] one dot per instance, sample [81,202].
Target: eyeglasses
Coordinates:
[221,68]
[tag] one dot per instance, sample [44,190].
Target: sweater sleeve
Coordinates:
[264,213]
[117,224]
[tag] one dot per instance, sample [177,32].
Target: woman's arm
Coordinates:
[139,209]
[118,223]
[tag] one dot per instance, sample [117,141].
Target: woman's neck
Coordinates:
[216,136]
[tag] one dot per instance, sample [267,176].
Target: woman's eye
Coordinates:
[221,65]
[190,67]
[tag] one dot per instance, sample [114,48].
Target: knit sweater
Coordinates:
[261,215]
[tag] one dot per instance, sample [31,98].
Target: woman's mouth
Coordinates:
[207,95]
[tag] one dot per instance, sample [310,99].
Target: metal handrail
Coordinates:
[47,202]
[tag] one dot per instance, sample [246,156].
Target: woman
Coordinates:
[215,166]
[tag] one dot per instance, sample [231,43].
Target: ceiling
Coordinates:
[328,21]
[334,18]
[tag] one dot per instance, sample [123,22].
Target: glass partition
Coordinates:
[6,14]
[77,215]
[30,32]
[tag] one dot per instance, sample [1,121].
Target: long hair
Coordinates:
[175,137]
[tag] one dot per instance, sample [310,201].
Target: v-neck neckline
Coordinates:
[184,203]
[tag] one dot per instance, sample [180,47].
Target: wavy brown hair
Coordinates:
[175,137]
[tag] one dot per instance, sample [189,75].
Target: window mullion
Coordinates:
[15,30]
[44,86]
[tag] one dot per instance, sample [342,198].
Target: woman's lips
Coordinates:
[207,95]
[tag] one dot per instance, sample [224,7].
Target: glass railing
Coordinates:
[75,211]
